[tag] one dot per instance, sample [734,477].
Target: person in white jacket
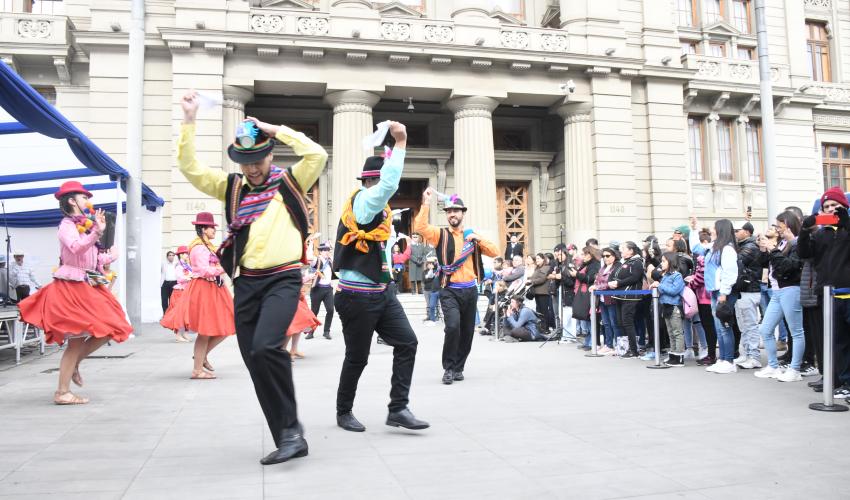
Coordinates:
[721,273]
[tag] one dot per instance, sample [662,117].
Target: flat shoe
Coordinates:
[68,398]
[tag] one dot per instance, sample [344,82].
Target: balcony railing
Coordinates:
[831,92]
[23,27]
[725,70]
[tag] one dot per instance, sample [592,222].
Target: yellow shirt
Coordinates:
[431,234]
[274,239]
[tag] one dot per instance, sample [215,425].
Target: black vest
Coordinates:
[446,255]
[370,264]
[293,200]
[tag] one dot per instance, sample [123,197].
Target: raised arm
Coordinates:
[431,234]
[373,199]
[206,180]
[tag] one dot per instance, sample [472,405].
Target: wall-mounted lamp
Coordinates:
[410,107]
[610,50]
[666,60]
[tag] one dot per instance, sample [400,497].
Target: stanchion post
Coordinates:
[593,331]
[828,381]
[656,332]
[496,312]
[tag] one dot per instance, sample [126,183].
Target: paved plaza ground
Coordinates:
[528,422]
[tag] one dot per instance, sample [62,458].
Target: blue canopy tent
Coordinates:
[39,150]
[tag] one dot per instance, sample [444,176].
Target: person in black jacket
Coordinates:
[514,247]
[585,276]
[628,277]
[784,275]
[751,261]
[829,249]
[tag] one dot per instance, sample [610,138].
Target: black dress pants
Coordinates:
[459,307]
[264,308]
[361,315]
[323,295]
[165,293]
[626,316]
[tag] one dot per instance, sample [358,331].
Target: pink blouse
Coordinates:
[77,252]
[204,263]
[183,277]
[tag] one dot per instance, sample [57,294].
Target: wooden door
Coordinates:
[512,205]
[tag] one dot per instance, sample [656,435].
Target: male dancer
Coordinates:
[364,303]
[459,255]
[263,254]
[322,292]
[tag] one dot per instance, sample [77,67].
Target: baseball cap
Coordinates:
[745,225]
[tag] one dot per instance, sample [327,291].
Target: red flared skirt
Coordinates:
[204,308]
[304,319]
[169,313]
[71,308]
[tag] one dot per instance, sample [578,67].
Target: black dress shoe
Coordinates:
[448,377]
[458,376]
[309,336]
[327,335]
[816,382]
[349,423]
[405,418]
[292,445]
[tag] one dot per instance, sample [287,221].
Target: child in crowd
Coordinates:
[670,290]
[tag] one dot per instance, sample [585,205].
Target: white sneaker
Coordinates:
[702,353]
[750,363]
[811,371]
[740,359]
[689,354]
[713,368]
[724,367]
[790,375]
[768,372]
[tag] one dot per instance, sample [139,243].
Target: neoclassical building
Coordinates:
[608,118]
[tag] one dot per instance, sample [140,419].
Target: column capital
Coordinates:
[348,101]
[573,112]
[235,97]
[473,106]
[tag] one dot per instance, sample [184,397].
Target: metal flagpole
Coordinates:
[135,102]
[767,122]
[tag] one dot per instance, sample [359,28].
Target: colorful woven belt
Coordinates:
[270,271]
[358,287]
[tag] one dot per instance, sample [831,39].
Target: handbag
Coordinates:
[581,306]
[690,303]
[529,294]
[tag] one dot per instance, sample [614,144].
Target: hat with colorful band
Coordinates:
[251,144]
[372,168]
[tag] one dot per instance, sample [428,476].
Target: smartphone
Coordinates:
[749,208]
[826,220]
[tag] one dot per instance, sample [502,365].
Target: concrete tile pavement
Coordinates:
[528,422]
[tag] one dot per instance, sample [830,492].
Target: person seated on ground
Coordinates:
[521,322]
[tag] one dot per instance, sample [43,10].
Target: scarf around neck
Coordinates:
[254,204]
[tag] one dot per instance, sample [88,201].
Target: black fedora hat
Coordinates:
[454,203]
[372,168]
[250,145]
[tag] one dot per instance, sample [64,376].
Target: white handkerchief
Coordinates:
[370,142]
[208,101]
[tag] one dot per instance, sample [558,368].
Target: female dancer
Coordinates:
[184,275]
[206,306]
[76,306]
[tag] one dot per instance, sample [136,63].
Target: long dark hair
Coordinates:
[790,219]
[65,204]
[631,245]
[682,247]
[725,236]
[672,261]
[200,231]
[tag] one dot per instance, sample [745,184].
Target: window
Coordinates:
[755,165]
[48,92]
[695,137]
[511,139]
[741,15]
[47,7]
[817,47]
[713,10]
[836,165]
[689,48]
[717,49]
[724,150]
[686,10]
[745,53]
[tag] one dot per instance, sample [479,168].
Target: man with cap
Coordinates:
[22,277]
[263,254]
[682,232]
[322,292]
[829,248]
[459,254]
[751,262]
[364,302]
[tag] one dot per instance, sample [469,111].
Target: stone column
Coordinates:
[741,149]
[713,147]
[580,194]
[232,113]
[475,162]
[352,122]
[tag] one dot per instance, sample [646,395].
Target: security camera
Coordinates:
[569,87]
[410,107]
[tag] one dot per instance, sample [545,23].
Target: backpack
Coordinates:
[745,278]
[689,302]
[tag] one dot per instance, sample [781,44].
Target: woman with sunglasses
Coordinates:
[609,266]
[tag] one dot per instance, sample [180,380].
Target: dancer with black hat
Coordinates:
[322,291]
[461,268]
[76,306]
[263,254]
[364,303]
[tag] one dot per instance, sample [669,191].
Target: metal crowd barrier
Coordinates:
[656,327]
[829,403]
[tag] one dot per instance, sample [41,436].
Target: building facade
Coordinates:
[606,118]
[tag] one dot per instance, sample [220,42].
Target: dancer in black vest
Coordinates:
[364,304]
[267,218]
[322,292]
[461,269]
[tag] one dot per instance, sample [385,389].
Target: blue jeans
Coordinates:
[766,294]
[583,325]
[691,324]
[725,336]
[612,328]
[433,298]
[785,301]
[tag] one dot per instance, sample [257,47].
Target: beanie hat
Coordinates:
[835,194]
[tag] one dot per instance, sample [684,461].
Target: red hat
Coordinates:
[182,249]
[835,194]
[73,187]
[204,219]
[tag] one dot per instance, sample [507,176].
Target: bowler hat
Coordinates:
[454,203]
[372,168]
[182,249]
[204,219]
[71,187]
[251,144]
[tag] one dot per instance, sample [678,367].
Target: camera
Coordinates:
[568,88]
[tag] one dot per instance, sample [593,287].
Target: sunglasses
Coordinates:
[606,255]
